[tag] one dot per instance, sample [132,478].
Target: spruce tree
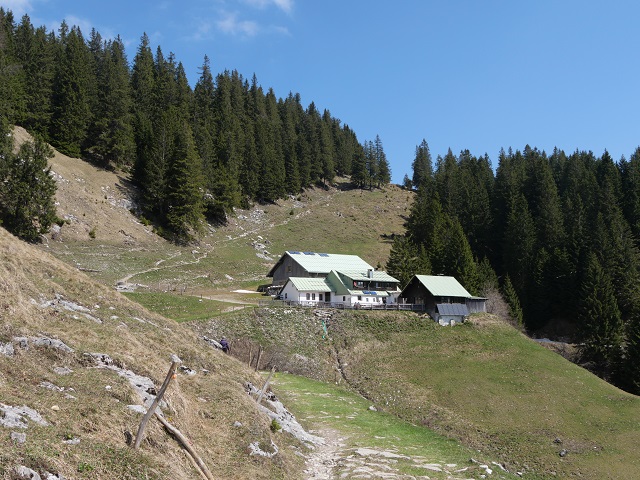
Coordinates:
[27,190]
[406,260]
[599,319]
[185,213]
[422,165]
[511,297]
[113,139]
[383,170]
[71,100]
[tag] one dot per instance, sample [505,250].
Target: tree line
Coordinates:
[195,153]
[558,234]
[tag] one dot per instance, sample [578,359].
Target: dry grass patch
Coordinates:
[41,297]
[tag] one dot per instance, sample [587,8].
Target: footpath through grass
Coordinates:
[416,451]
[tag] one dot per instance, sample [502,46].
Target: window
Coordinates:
[320,297]
[308,296]
[359,298]
[367,299]
[313,296]
[344,299]
[285,296]
[288,268]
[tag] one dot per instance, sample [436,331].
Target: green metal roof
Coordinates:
[304,284]
[377,275]
[442,286]
[325,262]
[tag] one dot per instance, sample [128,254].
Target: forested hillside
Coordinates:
[559,231]
[195,152]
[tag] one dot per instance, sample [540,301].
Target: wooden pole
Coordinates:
[259,355]
[186,444]
[172,370]
[266,385]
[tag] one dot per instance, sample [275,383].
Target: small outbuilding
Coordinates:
[443,297]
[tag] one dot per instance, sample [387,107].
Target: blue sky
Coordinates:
[477,75]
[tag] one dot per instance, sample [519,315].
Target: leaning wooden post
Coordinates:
[266,385]
[175,361]
[259,355]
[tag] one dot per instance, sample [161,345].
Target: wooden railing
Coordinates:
[343,306]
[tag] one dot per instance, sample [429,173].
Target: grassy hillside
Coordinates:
[494,389]
[483,384]
[86,408]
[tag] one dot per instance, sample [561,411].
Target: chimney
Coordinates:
[370,273]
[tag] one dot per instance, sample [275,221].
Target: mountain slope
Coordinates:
[53,320]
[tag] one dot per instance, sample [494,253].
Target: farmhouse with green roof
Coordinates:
[310,278]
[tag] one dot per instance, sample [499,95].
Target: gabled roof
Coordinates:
[305,284]
[314,262]
[443,286]
[376,275]
[452,309]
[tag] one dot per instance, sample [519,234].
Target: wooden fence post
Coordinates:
[266,385]
[175,361]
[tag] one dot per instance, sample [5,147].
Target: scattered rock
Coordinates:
[72,441]
[62,370]
[187,371]
[55,408]
[237,424]
[7,349]
[16,417]
[23,343]
[51,386]
[563,453]
[21,472]
[373,408]
[19,437]
[254,449]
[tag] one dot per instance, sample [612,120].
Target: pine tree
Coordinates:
[71,108]
[422,165]
[184,189]
[289,140]
[27,190]
[511,297]
[383,170]
[600,322]
[327,148]
[11,78]
[144,108]
[39,73]
[406,260]
[113,139]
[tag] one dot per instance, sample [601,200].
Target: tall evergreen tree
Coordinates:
[185,211]
[71,101]
[383,170]
[511,297]
[599,318]
[422,165]
[11,76]
[407,259]
[113,140]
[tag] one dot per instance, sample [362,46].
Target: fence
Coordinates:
[343,306]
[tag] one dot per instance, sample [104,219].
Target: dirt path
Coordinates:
[322,460]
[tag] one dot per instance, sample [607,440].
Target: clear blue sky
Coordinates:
[477,75]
